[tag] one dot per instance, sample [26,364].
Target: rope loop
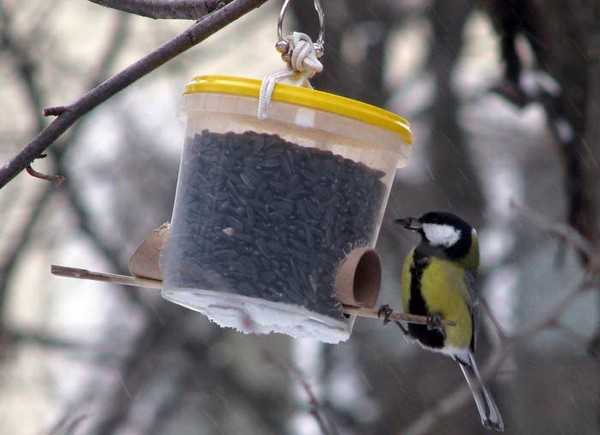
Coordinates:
[303,64]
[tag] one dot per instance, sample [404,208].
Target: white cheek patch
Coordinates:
[441,235]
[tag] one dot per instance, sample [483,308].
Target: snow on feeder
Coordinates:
[270,213]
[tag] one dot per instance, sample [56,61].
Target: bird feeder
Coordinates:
[271,215]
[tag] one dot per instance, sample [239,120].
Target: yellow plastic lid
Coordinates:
[306,97]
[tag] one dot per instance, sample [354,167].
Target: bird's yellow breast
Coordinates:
[444,290]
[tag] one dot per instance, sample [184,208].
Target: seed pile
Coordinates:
[260,216]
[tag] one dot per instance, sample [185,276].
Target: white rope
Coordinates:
[302,65]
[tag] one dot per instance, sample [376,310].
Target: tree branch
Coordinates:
[40,338]
[133,371]
[182,42]
[35,94]
[85,224]
[165,9]
[18,249]
[569,234]
[56,179]
[326,426]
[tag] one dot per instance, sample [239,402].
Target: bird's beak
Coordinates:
[410,223]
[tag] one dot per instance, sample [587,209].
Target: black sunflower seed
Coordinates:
[290,215]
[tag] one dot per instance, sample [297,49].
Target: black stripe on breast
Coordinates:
[417,305]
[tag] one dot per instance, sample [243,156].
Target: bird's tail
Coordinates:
[490,415]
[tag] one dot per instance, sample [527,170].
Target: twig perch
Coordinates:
[371,313]
[74,272]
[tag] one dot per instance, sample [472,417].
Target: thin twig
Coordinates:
[453,401]
[316,408]
[55,111]
[12,335]
[565,232]
[165,9]
[497,326]
[197,33]
[56,179]
[85,223]
[68,424]
[113,48]
[20,242]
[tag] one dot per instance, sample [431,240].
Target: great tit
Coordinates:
[438,281]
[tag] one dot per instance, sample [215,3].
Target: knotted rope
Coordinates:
[302,65]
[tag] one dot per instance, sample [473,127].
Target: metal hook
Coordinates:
[282,44]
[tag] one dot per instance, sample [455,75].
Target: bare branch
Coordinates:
[316,408]
[132,371]
[34,91]
[553,315]
[165,9]
[565,94]
[68,424]
[565,232]
[100,353]
[497,326]
[25,64]
[42,339]
[266,408]
[182,42]
[20,242]
[453,401]
[55,111]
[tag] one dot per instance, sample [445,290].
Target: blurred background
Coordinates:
[504,101]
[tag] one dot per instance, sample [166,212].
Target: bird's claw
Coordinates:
[385,311]
[434,322]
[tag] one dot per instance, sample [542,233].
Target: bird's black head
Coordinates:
[445,232]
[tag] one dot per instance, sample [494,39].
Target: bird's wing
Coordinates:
[473,305]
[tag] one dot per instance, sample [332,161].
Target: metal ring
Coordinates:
[320,44]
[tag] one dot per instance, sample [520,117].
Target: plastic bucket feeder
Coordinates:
[266,211]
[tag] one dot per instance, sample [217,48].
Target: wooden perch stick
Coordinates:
[371,313]
[74,272]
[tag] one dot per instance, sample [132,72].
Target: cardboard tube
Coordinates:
[358,278]
[145,260]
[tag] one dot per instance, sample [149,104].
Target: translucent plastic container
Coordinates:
[267,210]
